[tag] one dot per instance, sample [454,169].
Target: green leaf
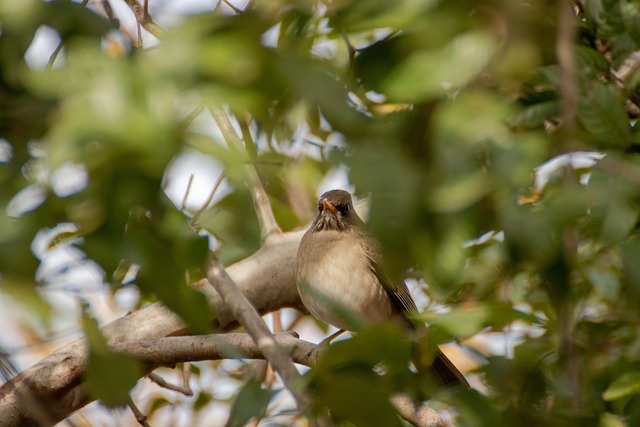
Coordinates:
[625,385]
[355,377]
[71,19]
[427,74]
[374,63]
[158,403]
[321,88]
[601,111]
[109,375]
[204,398]
[621,215]
[353,397]
[591,61]
[594,10]
[250,402]
[535,115]
[630,256]
[232,222]
[463,322]
[165,248]
[460,193]
[385,343]
[605,281]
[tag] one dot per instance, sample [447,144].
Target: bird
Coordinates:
[340,279]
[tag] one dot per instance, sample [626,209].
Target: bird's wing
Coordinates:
[398,292]
[444,369]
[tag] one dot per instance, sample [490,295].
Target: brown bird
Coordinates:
[341,282]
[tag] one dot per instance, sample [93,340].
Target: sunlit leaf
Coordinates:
[625,385]
[428,74]
[462,322]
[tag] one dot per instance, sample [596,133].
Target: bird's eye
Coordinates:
[344,209]
[320,207]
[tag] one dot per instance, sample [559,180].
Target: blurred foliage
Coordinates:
[112,390]
[250,402]
[354,378]
[442,111]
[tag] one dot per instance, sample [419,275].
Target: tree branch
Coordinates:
[262,206]
[246,314]
[420,415]
[566,60]
[164,384]
[169,351]
[266,278]
[568,105]
[140,417]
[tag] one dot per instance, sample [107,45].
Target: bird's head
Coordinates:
[335,212]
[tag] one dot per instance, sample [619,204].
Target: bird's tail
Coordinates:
[447,372]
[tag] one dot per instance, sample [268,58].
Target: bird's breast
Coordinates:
[336,283]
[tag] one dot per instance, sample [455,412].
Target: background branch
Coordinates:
[420,415]
[570,236]
[262,206]
[144,18]
[564,52]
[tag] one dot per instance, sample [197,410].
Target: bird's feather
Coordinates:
[406,307]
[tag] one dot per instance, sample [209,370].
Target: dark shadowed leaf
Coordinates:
[535,115]
[601,112]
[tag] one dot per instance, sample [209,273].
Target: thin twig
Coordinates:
[248,317]
[352,55]
[56,51]
[277,328]
[54,55]
[140,42]
[169,351]
[211,194]
[234,8]
[186,376]
[108,10]
[144,19]
[186,193]
[164,384]
[140,417]
[261,203]
[249,143]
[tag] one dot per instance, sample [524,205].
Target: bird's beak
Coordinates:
[328,206]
